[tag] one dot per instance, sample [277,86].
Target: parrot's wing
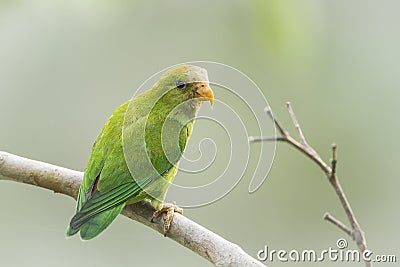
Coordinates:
[101,202]
[97,164]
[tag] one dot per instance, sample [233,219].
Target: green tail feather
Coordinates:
[97,224]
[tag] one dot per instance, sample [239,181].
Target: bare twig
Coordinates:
[334,158]
[296,125]
[276,122]
[302,138]
[265,139]
[195,237]
[328,217]
[330,171]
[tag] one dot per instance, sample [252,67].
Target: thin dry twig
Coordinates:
[338,223]
[334,158]
[195,237]
[330,171]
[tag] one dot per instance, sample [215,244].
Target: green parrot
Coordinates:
[135,157]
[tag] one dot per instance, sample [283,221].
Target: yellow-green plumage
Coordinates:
[135,156]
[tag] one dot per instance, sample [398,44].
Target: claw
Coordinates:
[169,209]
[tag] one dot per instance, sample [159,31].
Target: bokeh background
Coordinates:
[66,65]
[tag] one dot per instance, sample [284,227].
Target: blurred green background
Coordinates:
[66,65]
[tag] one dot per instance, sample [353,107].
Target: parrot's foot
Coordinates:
[169,209]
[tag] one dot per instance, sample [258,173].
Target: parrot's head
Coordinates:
[185,84]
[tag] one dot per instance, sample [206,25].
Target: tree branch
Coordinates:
[355,231]
[195,237]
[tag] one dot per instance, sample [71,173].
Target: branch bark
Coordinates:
[195,237]
[355,231]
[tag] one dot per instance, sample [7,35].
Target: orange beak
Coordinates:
[205,91]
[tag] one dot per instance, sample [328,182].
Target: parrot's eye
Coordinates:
[179,84]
